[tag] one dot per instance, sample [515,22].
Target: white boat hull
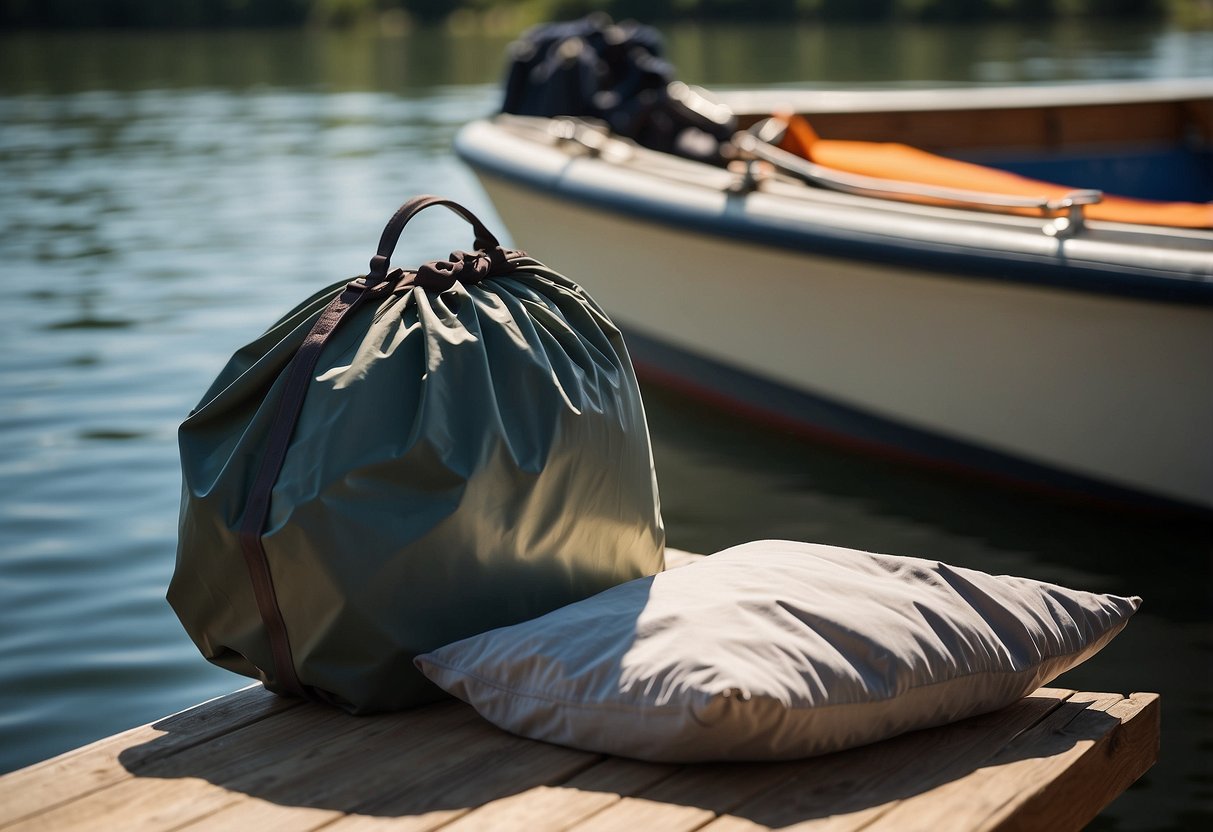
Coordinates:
[1038,382]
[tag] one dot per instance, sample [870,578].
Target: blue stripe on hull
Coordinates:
[823,419]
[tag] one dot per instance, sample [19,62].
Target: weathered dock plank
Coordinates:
[61,779]
[559,807]
[1056,775]
[849,791]
[253,761]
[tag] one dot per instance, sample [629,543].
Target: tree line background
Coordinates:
[254,13]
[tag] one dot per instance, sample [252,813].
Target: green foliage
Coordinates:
[152,13]
[953,10]
[220,13]
[430,11]
[1193,14]
[1030,9]
[342,12]
[856,9]
[1123,8]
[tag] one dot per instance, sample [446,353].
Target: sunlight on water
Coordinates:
[164,198]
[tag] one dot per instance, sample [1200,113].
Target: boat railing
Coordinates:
[1066,211]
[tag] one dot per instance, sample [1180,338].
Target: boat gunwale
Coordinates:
[1007,265]
[910,99]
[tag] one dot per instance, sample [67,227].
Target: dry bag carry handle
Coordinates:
[485,240]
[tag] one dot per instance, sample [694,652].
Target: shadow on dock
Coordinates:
[280,761]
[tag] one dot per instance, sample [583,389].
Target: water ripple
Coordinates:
[149,228]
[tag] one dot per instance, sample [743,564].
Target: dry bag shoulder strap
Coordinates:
[490,258]
[257,506]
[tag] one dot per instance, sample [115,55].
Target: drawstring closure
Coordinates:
[464,267]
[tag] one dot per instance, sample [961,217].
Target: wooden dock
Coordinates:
[253,761]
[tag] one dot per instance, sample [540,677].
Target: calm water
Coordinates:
[163,198]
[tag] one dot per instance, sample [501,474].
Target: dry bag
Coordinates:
[407,459]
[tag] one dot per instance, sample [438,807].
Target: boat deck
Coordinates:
[251,760]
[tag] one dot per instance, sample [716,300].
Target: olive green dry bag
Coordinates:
[407,459]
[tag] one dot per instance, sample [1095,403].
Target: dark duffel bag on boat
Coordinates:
[407,459]
[616,73]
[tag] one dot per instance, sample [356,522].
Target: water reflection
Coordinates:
[333,61]
[705,54]
[916,53]
[166,196]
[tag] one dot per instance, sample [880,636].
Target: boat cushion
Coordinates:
[890,160]
[775,650]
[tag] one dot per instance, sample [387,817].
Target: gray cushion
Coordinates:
[775,650]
